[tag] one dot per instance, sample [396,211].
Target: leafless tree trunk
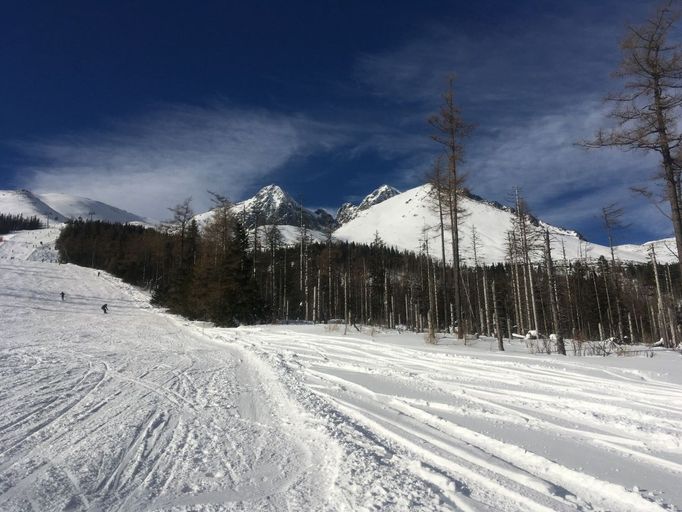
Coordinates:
[439,190]
[485,299]
[553,297]
[429,274]
[662,327]
[182,216]
[387,321]
[345,303]
[647,112]
[450,132]
[498,329]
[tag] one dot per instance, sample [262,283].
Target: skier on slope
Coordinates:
[105,308]
[63,295]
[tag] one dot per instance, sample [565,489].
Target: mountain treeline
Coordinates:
[9,222]
[220,273]
[204,277]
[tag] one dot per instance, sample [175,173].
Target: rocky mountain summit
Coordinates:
[272,205]
[349,211]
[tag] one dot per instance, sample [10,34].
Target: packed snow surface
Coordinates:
[135,410]
[140,410]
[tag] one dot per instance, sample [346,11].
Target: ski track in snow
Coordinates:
[141,410]
[135,410]
[498,432]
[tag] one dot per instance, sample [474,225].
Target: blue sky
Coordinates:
[141,104]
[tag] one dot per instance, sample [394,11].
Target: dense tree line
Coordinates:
[9,223]
[205,276]
[221,274]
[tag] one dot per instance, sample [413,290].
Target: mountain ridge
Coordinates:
[58,207]
[402,219]
[348,211]
[406,220]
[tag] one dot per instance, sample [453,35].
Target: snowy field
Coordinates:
[140,410]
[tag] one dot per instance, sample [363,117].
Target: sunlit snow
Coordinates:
[140,410]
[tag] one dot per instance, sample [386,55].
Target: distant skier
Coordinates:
[97,274]
[105,308]
[63,294]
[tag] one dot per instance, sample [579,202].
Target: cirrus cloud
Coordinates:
[154,161]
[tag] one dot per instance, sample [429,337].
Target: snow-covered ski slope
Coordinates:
[24,202]
[139,410]
[134,410]
[405,220]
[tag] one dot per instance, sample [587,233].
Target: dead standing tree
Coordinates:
[524,241]
[648,109]
[612,220]
[182,216]
[450,132]
[439,197]
[553,296]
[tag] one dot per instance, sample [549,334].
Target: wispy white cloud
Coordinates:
[565,183]
[519,65]
[533,92]
[153,162]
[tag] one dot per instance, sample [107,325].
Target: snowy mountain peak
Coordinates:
[272,205]
[349,211]
[273,195]
[402,220]
[378,196]
[345,213]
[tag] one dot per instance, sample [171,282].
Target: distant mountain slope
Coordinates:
[24,202]
[62,207]
[73,207]
[401,219]
[404,220]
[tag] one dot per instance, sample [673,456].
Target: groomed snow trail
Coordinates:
[139,410]
[134,410]
[492,431]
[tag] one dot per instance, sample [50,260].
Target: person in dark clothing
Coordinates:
[105,308]
[63,295]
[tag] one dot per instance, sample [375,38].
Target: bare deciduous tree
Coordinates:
[647,110]
[450,133]
[612,217]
